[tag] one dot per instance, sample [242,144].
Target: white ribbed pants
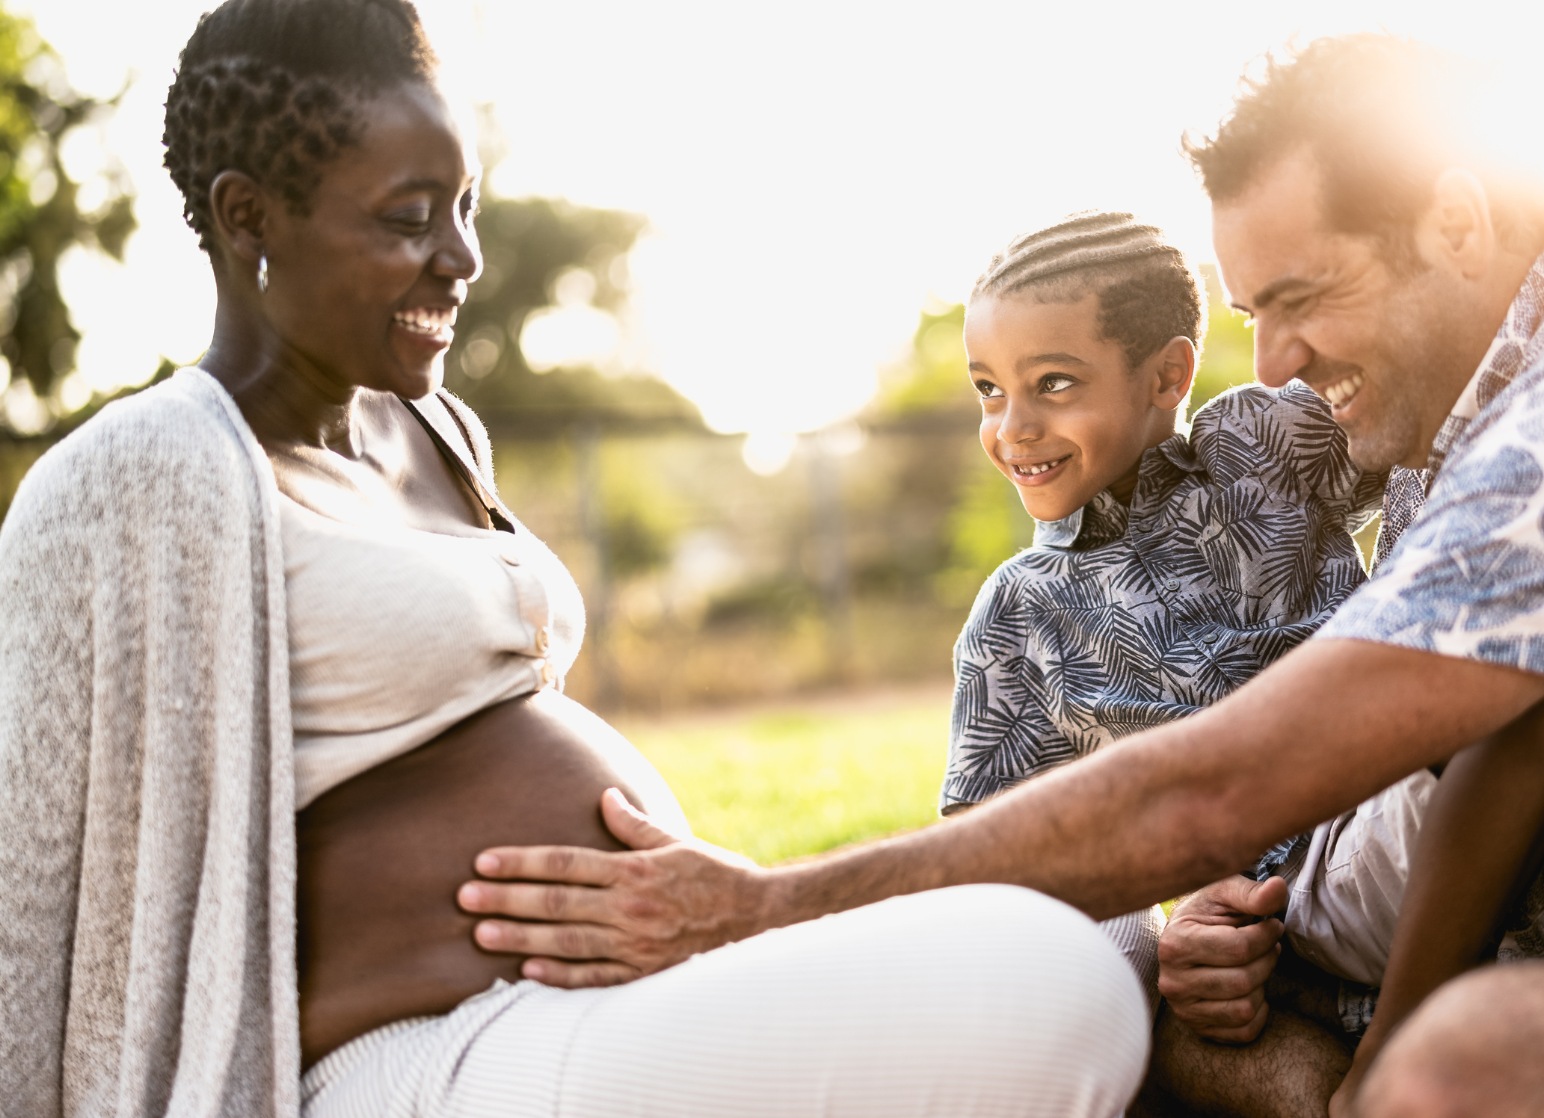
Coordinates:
[981,1000]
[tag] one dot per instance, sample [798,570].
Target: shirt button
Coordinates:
[543,640]
[509,554]
[1209,638]
[1171,584]
[548,673]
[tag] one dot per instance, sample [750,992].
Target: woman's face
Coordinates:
[363,289]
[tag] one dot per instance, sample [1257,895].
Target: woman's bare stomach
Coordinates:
[382,855]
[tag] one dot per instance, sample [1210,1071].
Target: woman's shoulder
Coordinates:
[172,433]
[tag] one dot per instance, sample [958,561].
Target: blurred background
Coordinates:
[717,341]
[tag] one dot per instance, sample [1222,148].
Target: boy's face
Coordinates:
[1061,414]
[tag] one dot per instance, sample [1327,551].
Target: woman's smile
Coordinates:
[433,327]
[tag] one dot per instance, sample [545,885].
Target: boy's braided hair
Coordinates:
[1147,292]
[271,88]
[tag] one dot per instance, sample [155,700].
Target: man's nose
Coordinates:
[1279,355]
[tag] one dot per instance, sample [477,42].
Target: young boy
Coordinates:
[1167,569]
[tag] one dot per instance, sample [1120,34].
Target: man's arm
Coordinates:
[1146,818]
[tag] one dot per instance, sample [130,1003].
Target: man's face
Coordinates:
[1330,311]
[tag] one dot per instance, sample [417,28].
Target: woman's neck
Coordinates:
[285,399]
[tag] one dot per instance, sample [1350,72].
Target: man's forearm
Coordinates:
[1144,819]
[1176,807]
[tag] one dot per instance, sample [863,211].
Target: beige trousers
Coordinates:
[973,1002]
[1345,898]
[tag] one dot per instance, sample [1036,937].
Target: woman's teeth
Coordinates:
[1342,392]
[1031,471]
[426,320]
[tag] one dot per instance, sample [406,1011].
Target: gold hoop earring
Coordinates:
[262,273]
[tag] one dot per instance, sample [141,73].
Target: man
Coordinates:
[1379,258]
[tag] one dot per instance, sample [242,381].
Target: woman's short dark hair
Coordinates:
[272,88]
[1383,117]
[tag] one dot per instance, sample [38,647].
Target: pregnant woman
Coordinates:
[276,662]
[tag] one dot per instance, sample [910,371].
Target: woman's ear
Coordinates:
[239,206]
[1174,367]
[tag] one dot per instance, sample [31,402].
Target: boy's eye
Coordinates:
[1056,383]
[987,389]
[470,207]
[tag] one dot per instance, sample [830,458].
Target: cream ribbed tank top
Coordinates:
[397,634]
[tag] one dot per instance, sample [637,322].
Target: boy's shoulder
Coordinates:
[1041,578]
[1252,404]
[1252,430]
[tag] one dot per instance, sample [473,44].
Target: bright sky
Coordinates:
[814,173]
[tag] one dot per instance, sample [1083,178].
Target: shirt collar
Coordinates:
[1519,343]
[1104,519]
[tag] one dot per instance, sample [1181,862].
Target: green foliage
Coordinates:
[528,245]
[1227,358]
[932,378]
[782,785]
[987,526]
[39,213]
[639,515]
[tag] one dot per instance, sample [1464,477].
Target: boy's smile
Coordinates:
[1062,415]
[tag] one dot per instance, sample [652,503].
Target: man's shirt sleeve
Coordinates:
[1467,576]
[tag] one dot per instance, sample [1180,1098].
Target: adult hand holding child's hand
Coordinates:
[1220,946]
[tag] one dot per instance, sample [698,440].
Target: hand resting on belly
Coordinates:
[382,855]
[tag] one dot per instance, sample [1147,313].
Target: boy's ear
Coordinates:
[1174,367]
[239,206]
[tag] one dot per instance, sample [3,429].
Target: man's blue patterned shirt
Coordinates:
[1466,578]
[1236,547]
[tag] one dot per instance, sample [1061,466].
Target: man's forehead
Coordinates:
[1272,231]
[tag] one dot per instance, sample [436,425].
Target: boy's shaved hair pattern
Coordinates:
[1148,294]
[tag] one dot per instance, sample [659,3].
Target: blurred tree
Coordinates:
[540,254]
[932,378]
[40,205]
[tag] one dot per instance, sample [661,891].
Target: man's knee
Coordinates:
[1472,1048]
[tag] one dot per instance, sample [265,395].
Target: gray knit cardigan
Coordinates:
[147,841]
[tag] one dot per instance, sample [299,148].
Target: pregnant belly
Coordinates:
[381,857]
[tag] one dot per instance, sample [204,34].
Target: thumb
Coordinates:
[630,825]
[1256,898]
[1239,896]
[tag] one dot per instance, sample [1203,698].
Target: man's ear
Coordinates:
[1458,226]
[1174,367]
[239,206]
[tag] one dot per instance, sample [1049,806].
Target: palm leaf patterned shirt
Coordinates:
[1236,547]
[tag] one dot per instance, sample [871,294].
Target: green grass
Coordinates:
[779,783]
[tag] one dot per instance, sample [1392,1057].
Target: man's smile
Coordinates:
[1343,391]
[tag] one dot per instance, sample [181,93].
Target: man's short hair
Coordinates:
[1148,293]
[1383,116]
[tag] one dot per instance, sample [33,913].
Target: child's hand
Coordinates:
[1220,946]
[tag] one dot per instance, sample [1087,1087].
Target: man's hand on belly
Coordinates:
[591,918]
[1219,948]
